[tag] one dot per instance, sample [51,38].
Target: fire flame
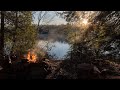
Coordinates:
[31,56]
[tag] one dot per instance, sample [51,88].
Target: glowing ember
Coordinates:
[31,56]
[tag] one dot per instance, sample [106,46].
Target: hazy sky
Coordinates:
[56,20]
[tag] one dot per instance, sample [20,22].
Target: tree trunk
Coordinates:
[2,37]
[14,33]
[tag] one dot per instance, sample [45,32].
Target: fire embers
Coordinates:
[31,56]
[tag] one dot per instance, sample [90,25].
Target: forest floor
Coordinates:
[60,69]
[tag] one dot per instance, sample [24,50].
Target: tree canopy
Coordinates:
[20,34]
[103,34]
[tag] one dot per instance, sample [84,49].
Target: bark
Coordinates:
[2,37]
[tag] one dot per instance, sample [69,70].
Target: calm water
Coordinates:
[55,48]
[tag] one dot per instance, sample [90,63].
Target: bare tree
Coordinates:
[47,21]
[41,16]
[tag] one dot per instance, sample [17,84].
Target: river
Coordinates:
[56,48]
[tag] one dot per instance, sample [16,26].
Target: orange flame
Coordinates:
[31,56]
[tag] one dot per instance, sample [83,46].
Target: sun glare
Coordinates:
[85,21]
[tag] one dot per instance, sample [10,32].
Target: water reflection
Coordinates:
[54,48]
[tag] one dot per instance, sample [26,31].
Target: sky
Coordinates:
[55,21]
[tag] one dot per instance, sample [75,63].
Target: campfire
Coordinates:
[31,56]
